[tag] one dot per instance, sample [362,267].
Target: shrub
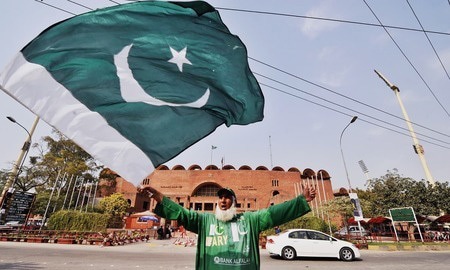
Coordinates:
[78,221]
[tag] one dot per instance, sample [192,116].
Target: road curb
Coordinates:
[409,247]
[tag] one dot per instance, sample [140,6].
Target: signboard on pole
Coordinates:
[16,206]
[357,211]
[404,214]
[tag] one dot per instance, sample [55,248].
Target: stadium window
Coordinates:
[275,183]
[209,206]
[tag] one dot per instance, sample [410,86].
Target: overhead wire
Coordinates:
[333,20]
[55,7]
[81,5]
[428,38]
[350,115]
[408,60]
[347,108]
[344,96]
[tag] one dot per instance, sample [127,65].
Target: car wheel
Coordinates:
[346,254]
[288,253]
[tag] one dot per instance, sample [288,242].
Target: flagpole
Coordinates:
[270,151]
[59,191]
[89,197]
[212,148]
[84,196]
[326,200]
[73,191]
[95,193]
[315,201]
[67,192]
[44,219]
[79,193]
[320,197]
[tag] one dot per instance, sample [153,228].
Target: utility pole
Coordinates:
[418,149]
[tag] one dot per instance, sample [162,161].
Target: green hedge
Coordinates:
[78,221]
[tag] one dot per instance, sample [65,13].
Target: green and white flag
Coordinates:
[136,84]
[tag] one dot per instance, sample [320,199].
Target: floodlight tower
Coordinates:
[417,147]
[364,169]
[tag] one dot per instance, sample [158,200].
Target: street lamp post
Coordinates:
[20,160]
[357,206]
[342,152]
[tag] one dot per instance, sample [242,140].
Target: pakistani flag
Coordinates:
[136,84]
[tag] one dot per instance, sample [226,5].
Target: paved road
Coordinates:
[165,255]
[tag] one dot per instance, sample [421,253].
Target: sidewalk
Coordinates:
[153,246]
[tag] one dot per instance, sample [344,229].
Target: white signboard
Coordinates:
[357,211]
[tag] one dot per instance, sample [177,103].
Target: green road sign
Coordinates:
[403,214]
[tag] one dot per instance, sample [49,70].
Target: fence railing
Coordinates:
[428,236]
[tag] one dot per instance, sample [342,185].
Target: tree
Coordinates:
[4,174]
[58,161]
[116,206]
[57,155]
[342,208]
[107,184]
[393,191]
[441,194]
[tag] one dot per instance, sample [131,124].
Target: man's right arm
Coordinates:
[173,211]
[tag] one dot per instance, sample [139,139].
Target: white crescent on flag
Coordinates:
[131,91]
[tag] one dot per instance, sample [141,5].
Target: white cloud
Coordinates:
[313,28]
[335,78]
[326,53]
[434,64]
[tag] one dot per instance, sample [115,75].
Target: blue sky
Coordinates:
[339,57]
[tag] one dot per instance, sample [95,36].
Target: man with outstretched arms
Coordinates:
[226,239]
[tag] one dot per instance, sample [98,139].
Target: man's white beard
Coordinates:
[226,215]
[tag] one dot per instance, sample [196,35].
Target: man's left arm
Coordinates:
[281,213]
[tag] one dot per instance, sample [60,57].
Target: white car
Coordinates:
[293,243]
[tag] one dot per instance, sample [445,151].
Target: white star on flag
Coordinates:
[179,58]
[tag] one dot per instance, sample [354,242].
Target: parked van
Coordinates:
[352,231]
